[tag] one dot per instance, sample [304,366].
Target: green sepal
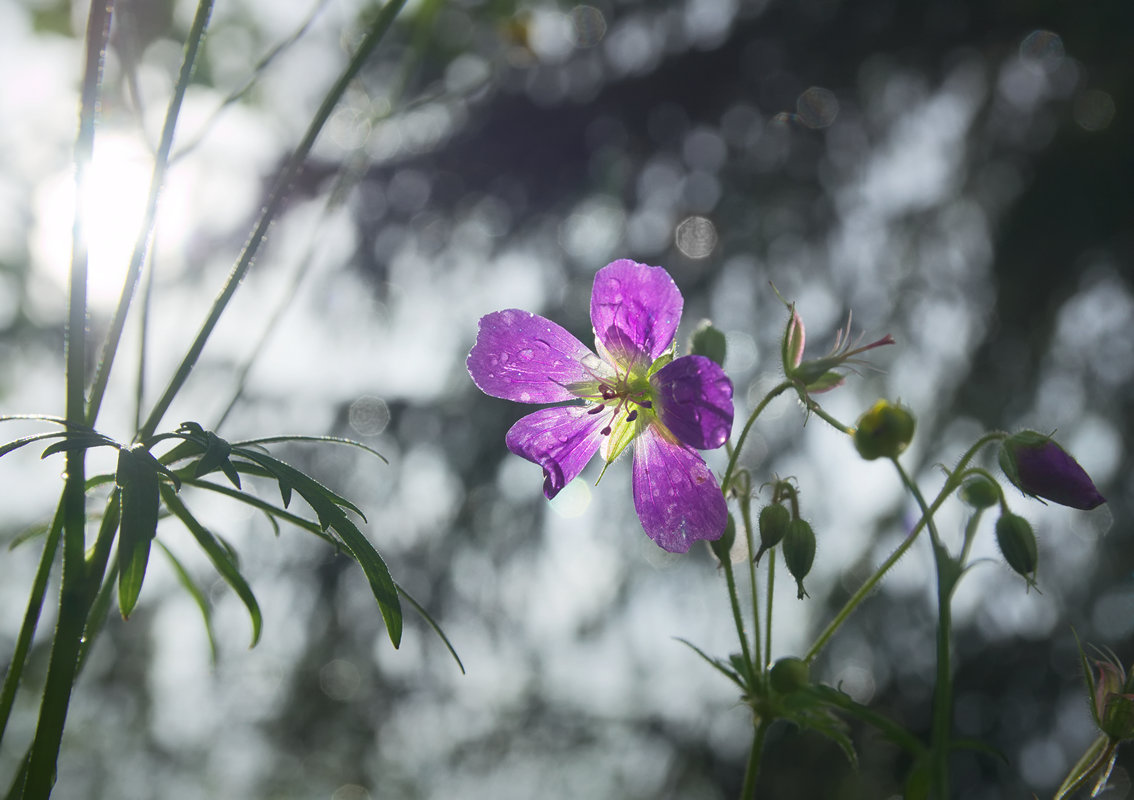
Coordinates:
[709,342]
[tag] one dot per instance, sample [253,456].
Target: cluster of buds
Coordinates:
[780,524]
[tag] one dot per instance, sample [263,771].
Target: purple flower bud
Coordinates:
[1041,468]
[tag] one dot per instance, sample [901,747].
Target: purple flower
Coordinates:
[1041,468]
[633,391]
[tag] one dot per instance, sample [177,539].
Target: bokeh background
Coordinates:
[956,172]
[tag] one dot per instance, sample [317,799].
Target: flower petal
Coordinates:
[561,440]
[694,401]
[524,357]
[675,494]
[635,310]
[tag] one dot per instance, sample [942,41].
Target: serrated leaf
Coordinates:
[190,586]
[328,507]
[219,556]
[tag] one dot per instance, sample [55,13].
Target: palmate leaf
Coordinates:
[329,508]
[219,555]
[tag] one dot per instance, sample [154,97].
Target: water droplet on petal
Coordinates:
[527,354]
[503,358]
[591,361]
[525,397]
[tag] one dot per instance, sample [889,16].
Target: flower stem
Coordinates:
[948,572]
[746,515]
[951,484]
[777,390]
[752,771]
[734,601]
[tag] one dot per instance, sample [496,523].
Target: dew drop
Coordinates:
[591,361]
[503,358]
[525,397]
[527,354]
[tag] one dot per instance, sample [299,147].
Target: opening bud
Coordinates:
[790,675]
[1039,467]
[799,552]
[773,524]
[884,431]
[1018,545]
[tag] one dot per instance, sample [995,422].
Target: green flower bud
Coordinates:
[773,524]
[979,492]
[799,552]
[708,341]
[1118,716]
[723,546]
[884,431]
[790,675]
[1018,545]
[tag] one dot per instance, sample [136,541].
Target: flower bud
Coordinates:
[1118,716]
[708,341]
[799,551]
[884,431]
[723,546]
[1018,545]
[773,523]
[1041,468]
[979,492]
[790,675]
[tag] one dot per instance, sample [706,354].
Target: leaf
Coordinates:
[198,596]
[316,439]
[721,666]
[78,440]
[328,507]
[434,625]
[220,557]
[16,444]
[138,481]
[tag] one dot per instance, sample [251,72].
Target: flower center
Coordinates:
[626,394]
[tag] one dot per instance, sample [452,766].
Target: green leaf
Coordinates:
[198,596]
[16,444]
[78,440]
[434,625]
[137,478]
[716,663]
[328,507]
[220,556]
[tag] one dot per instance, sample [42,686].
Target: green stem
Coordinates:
[775,392]
[752,771]
[272,207]
[771,589]
[951,484]
[948,571]
[734,601]
[161,164]
[40,776]
[746,515]
[31,620]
